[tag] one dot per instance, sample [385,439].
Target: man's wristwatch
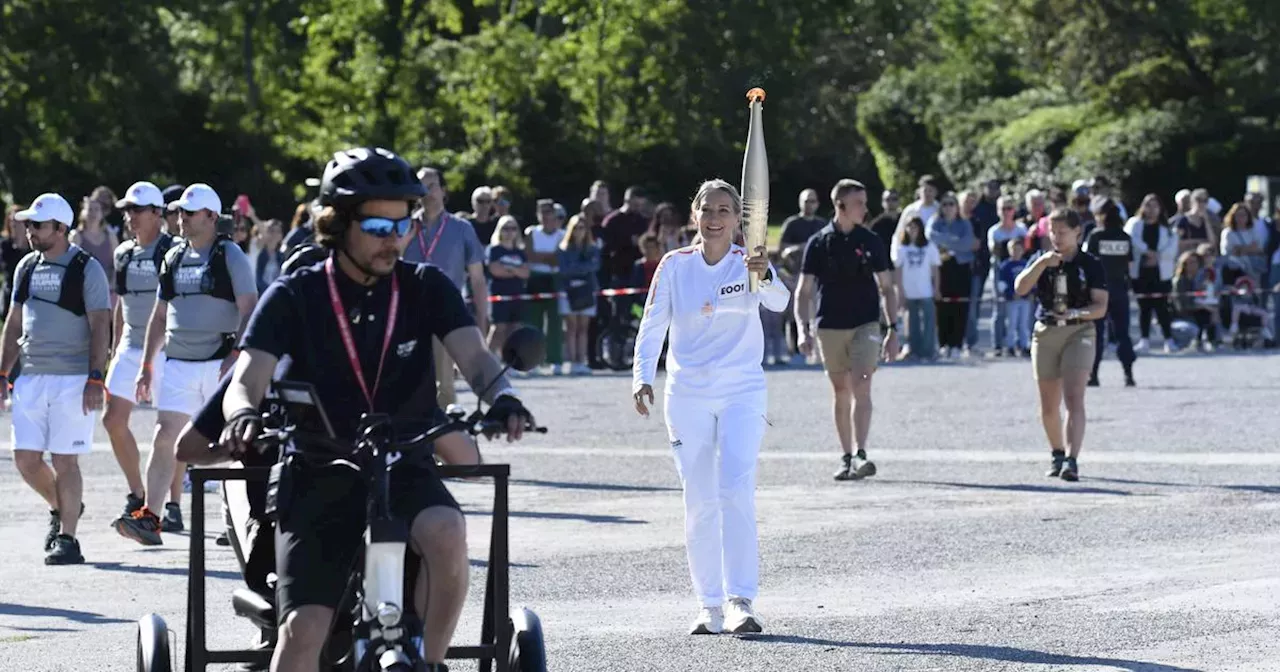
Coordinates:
[96,374]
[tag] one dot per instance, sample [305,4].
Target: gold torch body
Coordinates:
[755,182]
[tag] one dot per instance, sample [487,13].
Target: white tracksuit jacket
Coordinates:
[714,405]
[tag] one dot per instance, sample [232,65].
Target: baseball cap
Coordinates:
[47,207]
[144,194]
[198,196]
[173,192]
[1081,187]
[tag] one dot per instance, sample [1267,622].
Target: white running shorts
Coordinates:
[186,386]
[122,375]
[48,414]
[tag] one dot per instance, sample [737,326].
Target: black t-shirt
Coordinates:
[798,229]
[1114,249]
[1083,274]
[885,226]
[295,318]
[484,229]
[845,265]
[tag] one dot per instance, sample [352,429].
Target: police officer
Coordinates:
[61,310]
[1071,291]
[137,273]
[359,327]
[206,293]
[847,268]
[1113,247]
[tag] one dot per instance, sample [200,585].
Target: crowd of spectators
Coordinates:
[1198,268]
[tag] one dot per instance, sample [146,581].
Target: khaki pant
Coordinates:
[445,393]
[1058,350]
[856,350]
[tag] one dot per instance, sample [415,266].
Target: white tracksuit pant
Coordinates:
[715,443]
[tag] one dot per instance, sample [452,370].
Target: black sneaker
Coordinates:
[862,467]
[55,527]
[1056,469]
[1071,471]
[132,504]
[1129,381]
[1093,381]
[172,521]
[65,551]
[846,468]
[142,527]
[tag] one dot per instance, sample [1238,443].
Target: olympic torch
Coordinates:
[755,182]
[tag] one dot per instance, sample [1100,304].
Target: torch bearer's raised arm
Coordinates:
[755,181]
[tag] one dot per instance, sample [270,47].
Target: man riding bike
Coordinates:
[358,327]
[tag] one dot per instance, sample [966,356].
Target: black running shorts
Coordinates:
[320,531]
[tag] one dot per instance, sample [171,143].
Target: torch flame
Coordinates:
[755,94]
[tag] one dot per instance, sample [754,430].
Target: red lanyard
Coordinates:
[428,251]
[345,329]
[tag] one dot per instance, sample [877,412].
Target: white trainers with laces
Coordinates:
[740,617]
[710,621]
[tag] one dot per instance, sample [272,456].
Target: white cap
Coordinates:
[198,196]
[47,207]
[1081,186]
[143,194]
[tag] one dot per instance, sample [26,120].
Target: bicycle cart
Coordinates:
[510,638]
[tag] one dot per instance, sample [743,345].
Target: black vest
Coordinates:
[216,283]
[125,259]
[71,294]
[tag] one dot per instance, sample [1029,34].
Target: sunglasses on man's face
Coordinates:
[136,208]
[382,227]
[38,226]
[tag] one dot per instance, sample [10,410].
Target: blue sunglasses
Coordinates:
[382,227]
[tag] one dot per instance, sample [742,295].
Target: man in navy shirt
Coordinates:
[359,327]
[847,268]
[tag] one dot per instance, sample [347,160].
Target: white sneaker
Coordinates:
[710,621]
[740,617]
[1142,346]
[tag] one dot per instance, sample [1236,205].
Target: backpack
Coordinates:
[123,261]
[71,294]
[216,283]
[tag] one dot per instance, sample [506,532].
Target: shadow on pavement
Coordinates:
[1024,487]
[9,609]
[610,487]
[513,565]
[583,517]
[167,571]
[1264,489]
[998,653]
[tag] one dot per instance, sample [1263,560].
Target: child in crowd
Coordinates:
[1195,297]
[1018,308]
[508,269]
[916,261]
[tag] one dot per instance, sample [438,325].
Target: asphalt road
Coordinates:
[959,555]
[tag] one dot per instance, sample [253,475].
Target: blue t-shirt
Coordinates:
[497,254]
[1008,275]
[295,318]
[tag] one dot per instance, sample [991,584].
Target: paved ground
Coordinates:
[960,555]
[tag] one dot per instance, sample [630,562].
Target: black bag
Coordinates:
[578,291]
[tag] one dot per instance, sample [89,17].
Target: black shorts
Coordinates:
[319,532]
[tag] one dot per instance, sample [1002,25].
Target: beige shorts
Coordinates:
[845,350]
[1059,350]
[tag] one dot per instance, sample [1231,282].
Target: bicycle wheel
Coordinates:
[617,346]
[153,645]
[528,652]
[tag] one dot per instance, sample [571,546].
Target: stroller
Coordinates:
[1250,320]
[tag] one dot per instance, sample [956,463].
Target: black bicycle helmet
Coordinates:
[368,173]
